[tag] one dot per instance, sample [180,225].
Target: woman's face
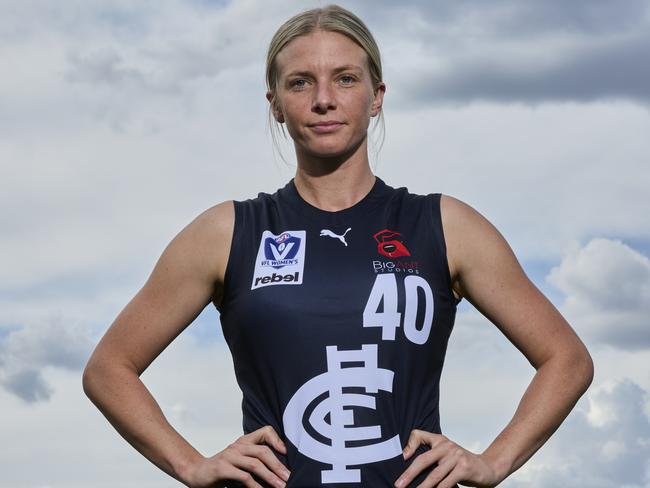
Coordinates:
[323,77]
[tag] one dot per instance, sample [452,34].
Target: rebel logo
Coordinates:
[276,278]
[389,244]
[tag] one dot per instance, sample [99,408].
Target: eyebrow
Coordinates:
[345,67]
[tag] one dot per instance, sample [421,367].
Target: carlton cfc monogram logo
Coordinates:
[340,427]
[389,244]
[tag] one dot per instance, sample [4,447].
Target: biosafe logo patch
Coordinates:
[280,259]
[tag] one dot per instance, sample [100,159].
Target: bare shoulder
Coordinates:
[459,217]
[186,277]
[200,249]
[487,273]
[472,242]
[210,234]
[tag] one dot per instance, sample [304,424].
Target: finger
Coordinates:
[419,464]
[414,441]
[452,478]
[419,437]
[268,458]
[268,435]
[254,465]
[441,449]
[445,466]
[232,473]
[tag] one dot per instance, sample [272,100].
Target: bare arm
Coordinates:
[486,272]
[188,275]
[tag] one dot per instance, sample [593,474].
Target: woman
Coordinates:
[337,291]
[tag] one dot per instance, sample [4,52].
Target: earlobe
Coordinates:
[277,114]
[378,99]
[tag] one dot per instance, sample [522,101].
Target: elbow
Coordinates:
[95,377]
[103,374]
[587,370]
[574,365]
[89,379]
[581,367]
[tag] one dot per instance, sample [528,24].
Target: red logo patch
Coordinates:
[389,244]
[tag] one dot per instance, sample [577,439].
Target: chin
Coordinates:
[330,149]
[330,152]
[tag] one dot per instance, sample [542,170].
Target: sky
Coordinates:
[121,121]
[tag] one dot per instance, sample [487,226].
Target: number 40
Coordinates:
[385,287]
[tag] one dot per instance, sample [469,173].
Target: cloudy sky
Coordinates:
[120,121]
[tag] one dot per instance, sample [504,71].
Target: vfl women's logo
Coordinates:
[281,250]
[280,259]
[389,244]
[340,427]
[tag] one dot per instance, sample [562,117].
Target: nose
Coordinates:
[324,98]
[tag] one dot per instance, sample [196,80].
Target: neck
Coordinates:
[334,184]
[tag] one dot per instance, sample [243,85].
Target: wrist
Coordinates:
[501,466]
[185,469]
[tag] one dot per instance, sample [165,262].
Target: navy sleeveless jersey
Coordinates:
[338,325]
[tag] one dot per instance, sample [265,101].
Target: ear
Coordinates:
[378,99]
[277,113]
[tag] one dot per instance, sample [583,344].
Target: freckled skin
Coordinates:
[321,93]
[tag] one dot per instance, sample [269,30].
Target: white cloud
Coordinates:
[482,381]
[538,174]
[607,288]
[121,121]
[27,351]
[589,452]
[525,51]
[77,447]
[603,442]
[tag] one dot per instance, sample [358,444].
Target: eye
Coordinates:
[347,79]
[298,83]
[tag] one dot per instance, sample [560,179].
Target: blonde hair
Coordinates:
[332,18]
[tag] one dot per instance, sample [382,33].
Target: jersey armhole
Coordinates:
[227,277]
[440,239]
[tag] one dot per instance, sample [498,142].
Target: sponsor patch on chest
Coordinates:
[280,259]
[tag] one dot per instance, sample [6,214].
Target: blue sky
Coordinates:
[122,121]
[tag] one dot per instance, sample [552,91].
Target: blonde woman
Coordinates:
[337,296]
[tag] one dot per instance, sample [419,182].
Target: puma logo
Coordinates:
[329,233]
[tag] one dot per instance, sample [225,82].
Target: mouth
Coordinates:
[327,126]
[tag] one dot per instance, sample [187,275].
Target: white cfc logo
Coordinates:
[341,426]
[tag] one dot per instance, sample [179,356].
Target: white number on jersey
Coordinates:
[412,283]
[385,289]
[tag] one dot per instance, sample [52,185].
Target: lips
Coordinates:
[326,126]
[326,123]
